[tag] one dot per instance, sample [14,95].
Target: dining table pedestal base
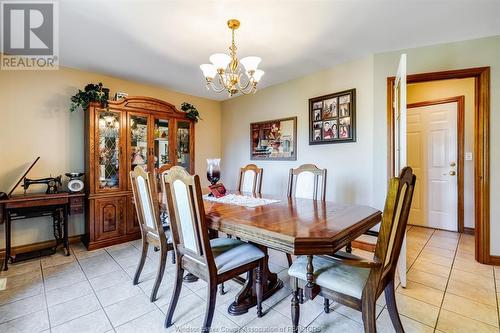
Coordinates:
[247,298]
[248,301]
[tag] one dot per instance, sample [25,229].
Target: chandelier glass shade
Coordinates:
[228,73]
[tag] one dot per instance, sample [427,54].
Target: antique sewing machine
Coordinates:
[53,203]
[51,183]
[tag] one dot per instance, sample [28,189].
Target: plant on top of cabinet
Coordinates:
[191,111]
[91,93]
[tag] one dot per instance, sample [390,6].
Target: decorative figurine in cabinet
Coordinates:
[130,132]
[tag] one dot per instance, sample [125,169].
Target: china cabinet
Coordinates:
[133,131]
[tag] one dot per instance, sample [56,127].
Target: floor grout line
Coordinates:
[45,295]
[95,295]
[420,250]
[496,295]
[446,287]
[144,292]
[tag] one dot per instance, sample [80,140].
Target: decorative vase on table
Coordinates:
[213,171]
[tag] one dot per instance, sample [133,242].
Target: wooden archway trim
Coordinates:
[481,77]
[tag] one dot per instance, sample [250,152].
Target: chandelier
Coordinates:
[225,72]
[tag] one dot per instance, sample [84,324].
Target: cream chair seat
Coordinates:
[330,273]
[230,253]
[212,260]
[354,281]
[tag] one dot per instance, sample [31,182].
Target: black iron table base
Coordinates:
[59,214]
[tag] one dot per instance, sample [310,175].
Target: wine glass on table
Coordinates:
[213,171]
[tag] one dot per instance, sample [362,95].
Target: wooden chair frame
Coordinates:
[382,267]
[317,172]
[158,172]
[154,236]
[294,173]
[257,179]
[201,262]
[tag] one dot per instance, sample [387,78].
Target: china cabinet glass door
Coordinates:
[161,143]
[184,144]
[138,148]
[109,150]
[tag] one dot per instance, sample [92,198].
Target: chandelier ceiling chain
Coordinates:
[228,71]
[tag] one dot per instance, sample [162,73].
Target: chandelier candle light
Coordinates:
[225,72]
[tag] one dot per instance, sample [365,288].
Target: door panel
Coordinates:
[184,142]
[415,158]
[399,109]
[108,154]
[400,117]
[432,153]
[109,217]
[138,147]
[162,132]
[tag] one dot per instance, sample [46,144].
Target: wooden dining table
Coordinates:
[291,225]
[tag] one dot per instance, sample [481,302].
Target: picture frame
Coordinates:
[274,140]
[332,118]
[120,95]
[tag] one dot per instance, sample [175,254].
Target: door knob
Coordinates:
[453,164]
[452,173]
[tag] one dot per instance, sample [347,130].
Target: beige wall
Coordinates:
[349,169]
[466,54]
[351,166]
[35,121]
[428,91]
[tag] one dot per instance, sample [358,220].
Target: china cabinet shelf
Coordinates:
[134,131]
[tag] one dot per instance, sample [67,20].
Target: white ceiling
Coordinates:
[164,42]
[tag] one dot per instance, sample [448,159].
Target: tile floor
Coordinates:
[447,291]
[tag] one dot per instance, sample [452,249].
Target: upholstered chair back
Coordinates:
[144,189]
[394,219]
[308,182]
[250,179]
[187,215]
[158,175]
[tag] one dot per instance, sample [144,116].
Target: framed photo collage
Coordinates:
[332,118]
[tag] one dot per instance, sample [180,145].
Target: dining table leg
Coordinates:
[247,297]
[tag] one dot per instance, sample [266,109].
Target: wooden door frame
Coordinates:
[481,77]
[460,100]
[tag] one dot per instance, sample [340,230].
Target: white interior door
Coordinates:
[399,117]
[432,153]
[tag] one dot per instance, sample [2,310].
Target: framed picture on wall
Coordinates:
[275,139]
[332,118]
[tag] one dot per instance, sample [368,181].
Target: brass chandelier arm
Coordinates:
[231,79]
[248,88]
[216,88]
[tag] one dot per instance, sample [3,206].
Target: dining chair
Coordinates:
[354,281]
[212,260]
[303,182]
[153,232]
[250,179]
[162,197]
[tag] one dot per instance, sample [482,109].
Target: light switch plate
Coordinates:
[468,156]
